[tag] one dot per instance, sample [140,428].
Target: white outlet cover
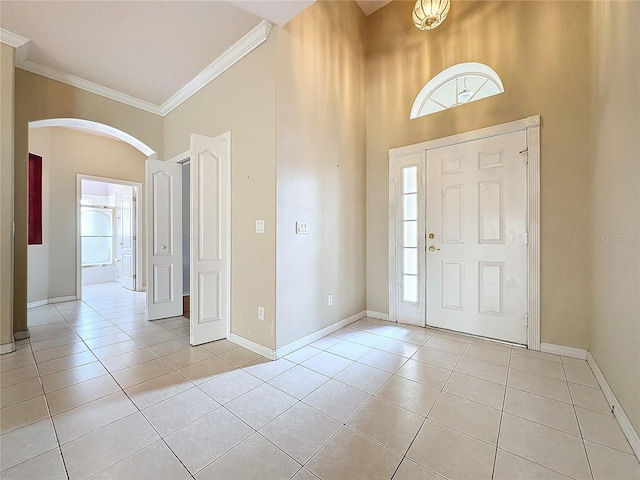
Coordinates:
[259,226]
[260,313]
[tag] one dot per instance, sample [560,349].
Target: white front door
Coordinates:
[210,189]
[126,236]
[476,221]
[164,239]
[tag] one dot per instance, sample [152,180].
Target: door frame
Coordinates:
[185,157]
[531,126]
[137,186]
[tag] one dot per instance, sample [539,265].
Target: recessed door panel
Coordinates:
[209,205]
[452,213]
[490,212]
[452,285]
[491,288]
[163,284]
[210,297]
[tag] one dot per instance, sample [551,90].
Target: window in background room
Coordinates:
[97,236]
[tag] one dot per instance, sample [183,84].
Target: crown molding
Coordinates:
[244,46]
[240,49]
[12,39]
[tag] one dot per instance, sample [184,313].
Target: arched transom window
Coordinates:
[457,85]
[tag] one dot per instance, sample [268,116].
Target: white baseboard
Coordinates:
[37,303]
[21,334]
[68,298]
[253,346]
[7,348]
[377,315]
[304,341]
[618,412]
[564,351]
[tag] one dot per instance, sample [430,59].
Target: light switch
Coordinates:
[259,226]
[302,228]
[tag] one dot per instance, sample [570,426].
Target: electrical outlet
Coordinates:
[330,300]
[260,313]
[302,228]
[259,226]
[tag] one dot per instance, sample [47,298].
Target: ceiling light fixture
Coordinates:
[428,14]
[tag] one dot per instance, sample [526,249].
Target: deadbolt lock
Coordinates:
[432,236]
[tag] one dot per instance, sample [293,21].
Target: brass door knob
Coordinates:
[432,248]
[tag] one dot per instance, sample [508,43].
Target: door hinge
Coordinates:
[135,238]
[526,319]
[134,276]
[134,199]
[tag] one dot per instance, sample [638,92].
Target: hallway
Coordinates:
[99,392]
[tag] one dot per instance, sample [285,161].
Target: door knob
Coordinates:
[433,248]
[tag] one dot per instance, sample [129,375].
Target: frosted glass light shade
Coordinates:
[428,14]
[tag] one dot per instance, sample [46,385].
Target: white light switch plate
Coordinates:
[259,226]
[260,313]
[302,228]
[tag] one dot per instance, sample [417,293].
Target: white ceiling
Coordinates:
[147,50]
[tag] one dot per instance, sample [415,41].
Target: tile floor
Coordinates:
[98,392]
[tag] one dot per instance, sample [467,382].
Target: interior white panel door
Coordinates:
[126,237]
[164,239]
[476,279]
[209,307]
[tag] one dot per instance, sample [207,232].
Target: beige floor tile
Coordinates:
[363,377]
[17,361]
[239,356]
[20,392]
[18,375]
[383,360]
[91,416]
[140,329]
[483,370]
[230,385]
[384,328]
[155,462]
[575,362]
[49,465]
[491,344]
[367,339]
[184,358]
[345,333]
[206,370]
[107,340]
[363,323]
[488,354]
[582,376]
[541,355]
[206,439]
[172,346]
[46,332]
[304,474]
[65,363]
[175,323]
[388,424]
[398,347]
[539,385]
[589,398]
[129,359]
[327,363]
[69,377]
[412,336]
[545,446]
[446,345]
[299,381]
[607,463]
[61,351]
[537,366]
[156,338]
[350,350]
[409,470]
[408,394]
[511,467]
[220,346]
[81,393]
[26,443]
[261,405]
[179,410]
[602,429]
[149,393]
[457,337]
[130,376]
[301,431]
[90,334]
[551,413]
[439,358]
[302,354]
[116,349]
[424,373]
[451,453]
[351,455]
[107,446]
[266,369]
[468,417]
[246,462]
[55,342]
[325,342]
[337,400]
[22,414]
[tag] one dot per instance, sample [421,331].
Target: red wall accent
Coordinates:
[34,227]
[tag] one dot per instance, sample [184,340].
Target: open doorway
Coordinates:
[108,224]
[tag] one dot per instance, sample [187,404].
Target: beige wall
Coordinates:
[242,100]
[39,98]
[6,191]
[615,199]
[321,169]
[539,51]
[38,255]
[69,153]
